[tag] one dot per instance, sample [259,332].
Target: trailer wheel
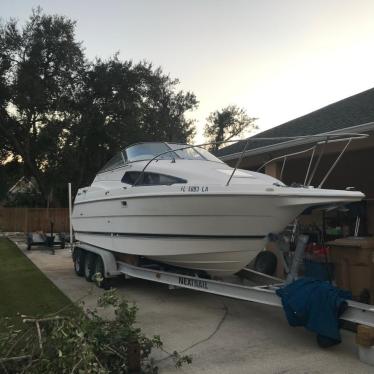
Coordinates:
[266,263]
[101,280]
[89,266]
[78,258]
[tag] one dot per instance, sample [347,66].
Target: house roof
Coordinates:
[352,111]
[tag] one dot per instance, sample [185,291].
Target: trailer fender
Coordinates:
[109,261]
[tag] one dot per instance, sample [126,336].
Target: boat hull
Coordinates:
[216,233]
[213,255]
[209,215]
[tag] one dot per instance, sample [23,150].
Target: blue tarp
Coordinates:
[315,304]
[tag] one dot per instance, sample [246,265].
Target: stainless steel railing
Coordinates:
[321,139]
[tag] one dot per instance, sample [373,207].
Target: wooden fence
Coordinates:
[34,219]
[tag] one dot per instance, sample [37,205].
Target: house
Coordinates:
[354,114]
[24,192]
[24,186]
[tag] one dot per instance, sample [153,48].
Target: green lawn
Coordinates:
[23,287]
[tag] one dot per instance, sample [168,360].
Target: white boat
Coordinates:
[182,206]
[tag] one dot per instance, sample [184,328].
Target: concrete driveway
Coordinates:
[221,335]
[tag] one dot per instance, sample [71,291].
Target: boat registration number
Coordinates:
[194,189]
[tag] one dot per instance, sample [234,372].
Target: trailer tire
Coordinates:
[89,266]
[266,263]
[78,259]
[99,269]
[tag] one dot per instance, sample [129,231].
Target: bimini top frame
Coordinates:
[320,140]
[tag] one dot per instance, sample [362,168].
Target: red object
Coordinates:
[315,250]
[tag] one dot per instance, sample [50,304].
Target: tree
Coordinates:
[40,71]
[64,116]
[121,103]
[226,124]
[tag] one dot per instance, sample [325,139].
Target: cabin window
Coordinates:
[150,179]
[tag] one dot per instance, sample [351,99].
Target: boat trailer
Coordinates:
[359,313]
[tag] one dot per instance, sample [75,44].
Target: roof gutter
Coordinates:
[369,126]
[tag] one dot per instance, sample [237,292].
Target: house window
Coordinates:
[150,179]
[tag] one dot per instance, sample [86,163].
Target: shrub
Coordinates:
[83,343]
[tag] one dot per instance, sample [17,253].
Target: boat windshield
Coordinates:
[147,151]
[193,153]
[115,162]
[207,155]
[187,153]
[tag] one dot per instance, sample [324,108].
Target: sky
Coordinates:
[278,59]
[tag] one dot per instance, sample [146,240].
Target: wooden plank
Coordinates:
[34,219]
